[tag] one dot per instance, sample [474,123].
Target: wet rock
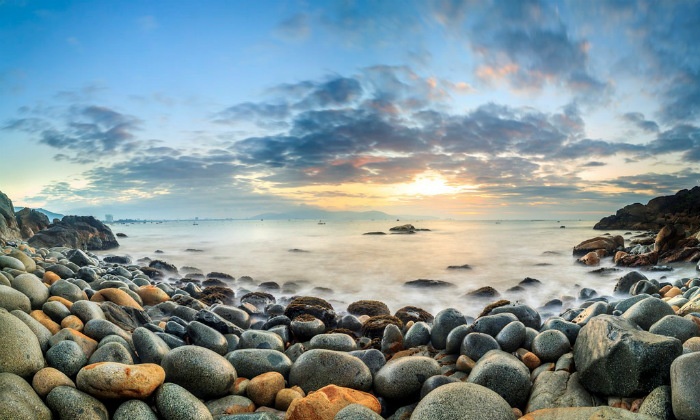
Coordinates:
[204,336]
[372,358]
[337,341]
[511,337]
[20,351]
[505,374]
[608,243]
[550,345]
[462,401]
[476,345]
[413,313]
[426,283]
[325,403]
[403,378]
[357,412]
[19,401]
[70,403]
[250,363]
[254,339]
[368,307]
[558,389]
[201,371]
[31,286]
[569,329]
[149,347]
[176,403]
[417,335]
[112,352]
[374,326]
[676,327]
[445,321]
[483,292]
[317,368]
[647,311]
[117,380]
[313,306]
[304,327]
[79,232]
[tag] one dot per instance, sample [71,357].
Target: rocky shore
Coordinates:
[88,337]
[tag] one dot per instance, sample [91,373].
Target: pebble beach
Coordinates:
[104,337]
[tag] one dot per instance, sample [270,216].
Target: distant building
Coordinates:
[109,218]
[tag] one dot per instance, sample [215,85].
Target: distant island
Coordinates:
[51,215]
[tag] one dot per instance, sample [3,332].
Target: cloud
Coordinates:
[637,119]
[295,28]
[683,138]
[593,164]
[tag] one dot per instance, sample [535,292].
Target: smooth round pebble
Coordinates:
[19,401]
[149,346]
[404,377]
[475,345]
[176,403]
[134,410]
[70,403]
[461,401]
[505,374]
[444,322]
[118,380]
[550,345]
[511,337]
[356,412]
[20,351]
[201,371]
[262,389]
[317,368]
[255,339]
[336,341]
[66,356]
[49,378]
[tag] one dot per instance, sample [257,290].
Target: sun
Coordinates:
[428,183]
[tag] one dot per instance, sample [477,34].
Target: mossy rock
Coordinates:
[413,313]
[374,326]
[368,307]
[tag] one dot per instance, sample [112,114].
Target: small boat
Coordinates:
[321,222]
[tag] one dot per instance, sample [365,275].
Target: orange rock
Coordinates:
[325,403]
[591,259]
[87,344]
[117,296]
[117,380]
[263,388]
[465,364]
[45,320]
[151,295]
[73,322]
[529,358]
[67,303]
[239,386]
[618,256]
[49,378]
[672,292]
[665,289]
[284,398]
[50,277]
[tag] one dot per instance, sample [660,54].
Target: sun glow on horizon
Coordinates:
[430,183]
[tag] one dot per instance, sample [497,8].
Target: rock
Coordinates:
[230,404]
[483,292]
[476,345]
[79,232]
[9,229]
[392,340]
[325,403]
[685,389]
[176,403]
[204,336]
[558,389]
[444,322]
[368,307]
[413,313]
[575,413]
[676,327]
[403,228]
[608,243]
[19,401]
[693,305]
[492,324]
[403,378]
[647,311]
[250,363]
[112,352]
[149,347]
[20,351]
[417,335]
[460,401]
[525,314]
[317,368]
[644,287]
[550,345]
[234,315]
[357,412]
[11,299]
[614,357]
[118,380]
[435,382]
[66,356]
[590,259]
[658,403]
[116,296]
[86,310]
[637,260]
[426,283]
[201,371]
[372,358]
[87,345]
[151,295]
[263,388]
[668,237]
[49,378]
[504,374]
[335,341]
[304,327]
[29,263]
[33,288]
[31,221]
[70,403]
[314,306]
[11,262]
[134,409]
[254,339]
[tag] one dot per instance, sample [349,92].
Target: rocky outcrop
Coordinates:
[9,230]
[607,243]
[82,232]
[31,221]
[683,208]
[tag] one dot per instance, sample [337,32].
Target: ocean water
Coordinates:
[337,256]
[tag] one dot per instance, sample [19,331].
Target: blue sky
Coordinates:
[462,109]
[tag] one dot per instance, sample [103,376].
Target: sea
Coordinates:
[335,260]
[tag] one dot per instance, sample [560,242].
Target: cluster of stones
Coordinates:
[84,337]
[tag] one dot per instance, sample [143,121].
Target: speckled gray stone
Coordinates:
[676,327]
[492,324]
[444,322]
[475,345]
[97,329]
[550,345]
[66,356]
[511,337]
[149,346]
[40,331]
[434,382]
[525,314]
[417,335]
[250,363]
[504,374]
[372,358]
[201,371]
[11,299]
[176,403]
[685,387]
[134,410]
[255,339]
[317,368]
[20,351]
[403,378]
[658,403]
[33,288]
[233,314]
[356,412]
[111,352]
[205,336]
[87,310]
[569,329]
[461,401]
[647,311]
[558,389]
[11,262]
[18,401]
[70,403]
[455,338]
[57,311]
[336,341]
[66,290]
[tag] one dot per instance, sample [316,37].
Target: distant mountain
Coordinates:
[313,214]
[51,215]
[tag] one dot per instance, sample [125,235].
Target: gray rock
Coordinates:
[255,339]
[476,345]
[134,410]
[455,338]
[11,262]
[201,371]
[624,283]
[57,311]
[504,374]
[70,403]
[205,336]
[149,346]
[87,310]
[232,314]
[176,403]
[32,287]
[492,324]
[625,304]
[644,287]
[676,327]
[335,341]
[223,406]
[372,358]
[647,311]
[250,363]
[67,290]
[19,401]
[550,345]
[403,378]
[569,329]
[588,413]
[685,387]
[598,308]
[66,356]
[658,403]
[304,330]
[434,382]
[524,313]
[61,270]
[97,329]
[558,389]
[356,412]
[691,345]
[11,299]
[20,351]
[111,352]
[512,336]
[317,368]
[614,357]
[530,334]
[461,401]
[417,335]
[40,331]
[392,339]
[444,322]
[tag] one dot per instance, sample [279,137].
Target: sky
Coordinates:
[456,109]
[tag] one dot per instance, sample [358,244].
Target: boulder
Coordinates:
[558,389]
[614,357]
[30,222]
[504,374]
[317,368]
[685,388]
[81,232]
[9,229]
[116,380]
[608,243]
[325,403]
[19,401]
[459,401]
